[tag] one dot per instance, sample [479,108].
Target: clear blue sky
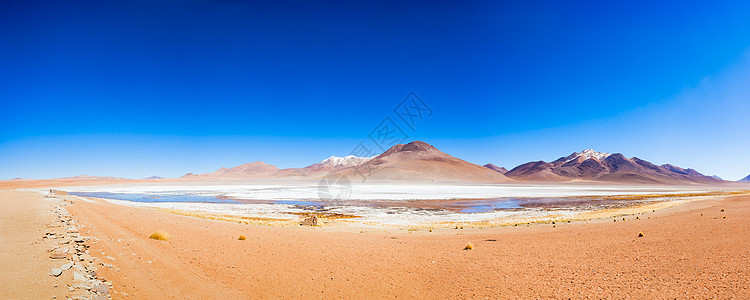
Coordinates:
[134,88]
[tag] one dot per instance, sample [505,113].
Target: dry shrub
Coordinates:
[640,234]
[242,238]
[159,235]
[469,246]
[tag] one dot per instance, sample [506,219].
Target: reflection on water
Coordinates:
[495,204]
[299,202]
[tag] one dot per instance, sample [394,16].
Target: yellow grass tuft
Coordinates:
[724,217]
[722,210]
[640,234]
[469,246]
[242,238]
[159,235]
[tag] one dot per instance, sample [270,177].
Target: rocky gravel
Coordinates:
[69,250]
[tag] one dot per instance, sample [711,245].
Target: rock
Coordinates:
[56,272]
[79,276]
[57,255]
[67,266]
[101,289]
[85,257]
[311,221]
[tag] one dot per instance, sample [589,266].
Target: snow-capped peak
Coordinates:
[590,153]
[346,161]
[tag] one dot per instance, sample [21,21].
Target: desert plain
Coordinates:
[697,247]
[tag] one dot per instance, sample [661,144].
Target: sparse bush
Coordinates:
[242,238]
[640,234]
[159,235]
[469,246]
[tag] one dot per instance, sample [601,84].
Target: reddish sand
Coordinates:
[683,254]
[25,263]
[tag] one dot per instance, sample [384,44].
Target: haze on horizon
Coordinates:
[134,89]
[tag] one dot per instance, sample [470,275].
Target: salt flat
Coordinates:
[383,204]
[285,190]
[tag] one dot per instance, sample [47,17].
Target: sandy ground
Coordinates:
[25,263]
[688,251]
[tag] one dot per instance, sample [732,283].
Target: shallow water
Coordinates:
[494,204]
[154,198]
[462,206]
[372,212]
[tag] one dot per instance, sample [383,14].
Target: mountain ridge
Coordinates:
[420,161]
[501,170]
[591,165]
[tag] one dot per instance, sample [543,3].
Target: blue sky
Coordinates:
[135,88]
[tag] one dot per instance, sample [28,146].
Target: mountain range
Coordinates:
[746,179]
[592,165]
[419,161]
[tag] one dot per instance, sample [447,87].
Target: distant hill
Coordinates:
[254,169]
[495,168]
[90,177]
[746,179]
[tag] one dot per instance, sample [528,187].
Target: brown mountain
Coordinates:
[592,165]
[495,168]
[419,161]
